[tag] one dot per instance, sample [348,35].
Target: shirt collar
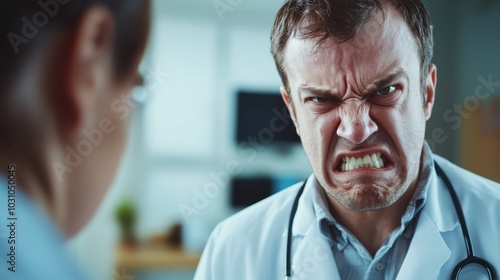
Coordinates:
[326,223]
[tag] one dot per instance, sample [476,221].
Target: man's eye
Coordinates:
[386,90]
[319,99]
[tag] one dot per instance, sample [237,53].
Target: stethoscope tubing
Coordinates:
[289,237]
[471,257]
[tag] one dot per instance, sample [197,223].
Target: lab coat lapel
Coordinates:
[312,257]
[428,251]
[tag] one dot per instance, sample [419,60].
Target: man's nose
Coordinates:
[356,125]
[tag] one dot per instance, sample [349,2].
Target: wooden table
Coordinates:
[129,258]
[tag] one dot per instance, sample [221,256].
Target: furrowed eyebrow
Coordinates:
[384,81]
[317,92]
[331,94]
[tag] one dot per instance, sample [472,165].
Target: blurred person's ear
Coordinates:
[87,66]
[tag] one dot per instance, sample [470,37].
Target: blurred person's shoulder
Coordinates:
[34,247]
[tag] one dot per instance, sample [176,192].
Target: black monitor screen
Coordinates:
[264,116]
[247,191]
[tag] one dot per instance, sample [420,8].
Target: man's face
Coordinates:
[358,109]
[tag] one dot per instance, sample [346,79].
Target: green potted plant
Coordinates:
[126,215]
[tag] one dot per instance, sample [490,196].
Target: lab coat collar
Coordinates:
[312,256]
[439,207]
[428,251]
[305,216]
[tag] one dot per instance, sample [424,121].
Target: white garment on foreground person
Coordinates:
[252,243]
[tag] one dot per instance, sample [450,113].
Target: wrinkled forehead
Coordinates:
[384,42]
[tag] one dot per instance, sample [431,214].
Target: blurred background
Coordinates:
[212,136]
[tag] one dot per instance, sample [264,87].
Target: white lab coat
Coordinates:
[252,243]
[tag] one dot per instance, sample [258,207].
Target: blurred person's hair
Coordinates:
[341,21]
[131,20]
[24,123]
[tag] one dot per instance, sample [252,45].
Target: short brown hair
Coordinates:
[342,20]
[132,20]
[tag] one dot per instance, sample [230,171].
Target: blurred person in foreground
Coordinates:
[359,83]
[67,68]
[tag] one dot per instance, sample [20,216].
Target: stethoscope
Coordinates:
[471,257]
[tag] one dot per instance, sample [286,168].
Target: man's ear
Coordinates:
[430,90]
[85,67]
[288,101]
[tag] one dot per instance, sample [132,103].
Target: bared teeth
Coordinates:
[373,160]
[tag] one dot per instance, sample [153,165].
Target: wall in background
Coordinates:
[479,84]
[445,17]
[478,45]
[466,53]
